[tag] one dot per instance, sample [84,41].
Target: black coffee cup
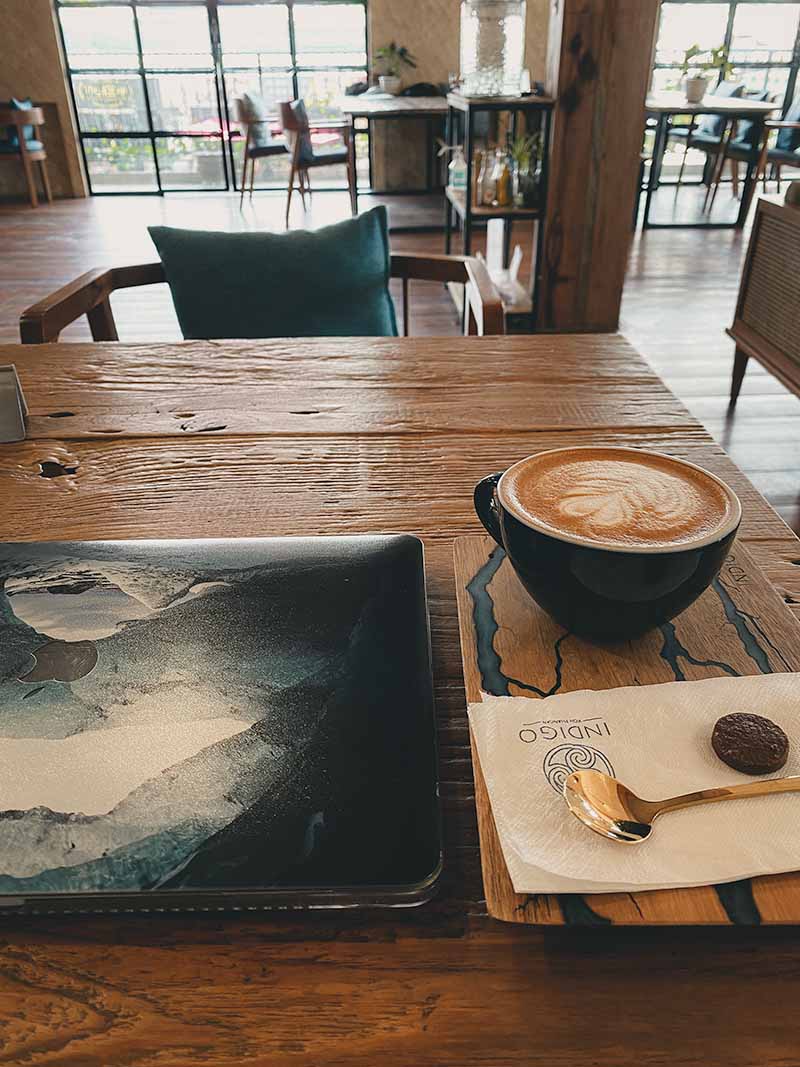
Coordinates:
[604,593]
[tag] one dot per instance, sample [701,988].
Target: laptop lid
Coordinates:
[216,724]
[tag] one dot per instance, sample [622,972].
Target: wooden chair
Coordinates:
[89,295]
[26,149]
[779,156]
[766,325]
[251,114]
[298,133]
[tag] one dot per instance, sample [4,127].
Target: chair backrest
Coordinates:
[294,119]
[747,132]
[765,324]
[789,140]
[253,114]
[20,122]
[711,125]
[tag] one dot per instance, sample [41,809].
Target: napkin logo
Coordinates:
[564,730]
[561,761]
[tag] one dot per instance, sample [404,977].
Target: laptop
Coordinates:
[222,724]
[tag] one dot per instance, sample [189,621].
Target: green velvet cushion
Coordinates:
[331,282]
[12,148]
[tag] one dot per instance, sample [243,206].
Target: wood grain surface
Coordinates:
[440,984]
[599,66]
[511,647]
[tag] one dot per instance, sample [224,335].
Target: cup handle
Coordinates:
[485,498]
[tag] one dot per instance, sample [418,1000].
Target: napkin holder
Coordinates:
[13,408]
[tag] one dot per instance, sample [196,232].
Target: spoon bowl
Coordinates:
[608,807]
[612,810]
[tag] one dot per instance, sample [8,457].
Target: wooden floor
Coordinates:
[679,297]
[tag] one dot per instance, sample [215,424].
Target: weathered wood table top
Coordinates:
[350,436]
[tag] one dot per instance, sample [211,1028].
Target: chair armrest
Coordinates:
[485,302]
[485,305]
[87,295]
[781,124]
[334,124]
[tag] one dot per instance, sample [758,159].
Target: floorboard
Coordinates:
[679,297]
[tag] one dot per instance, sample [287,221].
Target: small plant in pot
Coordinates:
[696,67]
[393,58]
[525,156]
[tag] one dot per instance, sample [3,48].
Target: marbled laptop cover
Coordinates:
[215,715]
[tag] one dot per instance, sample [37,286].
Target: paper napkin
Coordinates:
[657,740]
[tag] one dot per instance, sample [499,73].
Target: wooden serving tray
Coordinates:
[511,647]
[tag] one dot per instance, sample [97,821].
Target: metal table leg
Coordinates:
[659,148]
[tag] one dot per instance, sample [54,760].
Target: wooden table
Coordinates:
[346,436]
[375,108]
[662,106]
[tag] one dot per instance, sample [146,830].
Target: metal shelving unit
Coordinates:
[461,213]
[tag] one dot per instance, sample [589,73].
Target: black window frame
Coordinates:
[226,137]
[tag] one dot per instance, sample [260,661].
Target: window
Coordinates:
[154,82]
[761,40]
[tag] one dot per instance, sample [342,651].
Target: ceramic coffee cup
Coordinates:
[602,581]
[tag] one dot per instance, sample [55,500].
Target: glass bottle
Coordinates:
[501,176]
[457,171]
[489,183]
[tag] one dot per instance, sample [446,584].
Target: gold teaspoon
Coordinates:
[610,809]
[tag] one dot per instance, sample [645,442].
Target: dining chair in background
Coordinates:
[765,322]
[299,133]
[786,150]
[705,133]
[22,121]
[253,117]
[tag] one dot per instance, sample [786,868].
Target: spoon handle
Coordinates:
[730,792]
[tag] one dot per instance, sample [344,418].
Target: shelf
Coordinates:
[528,102]
[459,201]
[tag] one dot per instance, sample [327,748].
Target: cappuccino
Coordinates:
[619,498]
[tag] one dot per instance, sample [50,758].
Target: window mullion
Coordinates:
[148,109]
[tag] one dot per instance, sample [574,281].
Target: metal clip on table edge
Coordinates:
[13,408]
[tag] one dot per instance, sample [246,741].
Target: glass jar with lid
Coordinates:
[492,47]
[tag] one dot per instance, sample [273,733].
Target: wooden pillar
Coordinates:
[598,69]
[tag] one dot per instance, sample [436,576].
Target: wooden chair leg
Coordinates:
[778,177]
[740,359]
[252,176]
[244,184]
[289,193]
[685,153]
[351,182]
[46,181]
[302,178]
[735,176]
[724,141]
[29,180]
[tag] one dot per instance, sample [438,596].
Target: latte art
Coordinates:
[617,497]
[609,500]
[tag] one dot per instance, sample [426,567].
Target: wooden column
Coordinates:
[598,69]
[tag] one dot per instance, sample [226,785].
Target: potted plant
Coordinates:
[525,156]
[696,63]
[393,58]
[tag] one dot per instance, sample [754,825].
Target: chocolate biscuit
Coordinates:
[750,743]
